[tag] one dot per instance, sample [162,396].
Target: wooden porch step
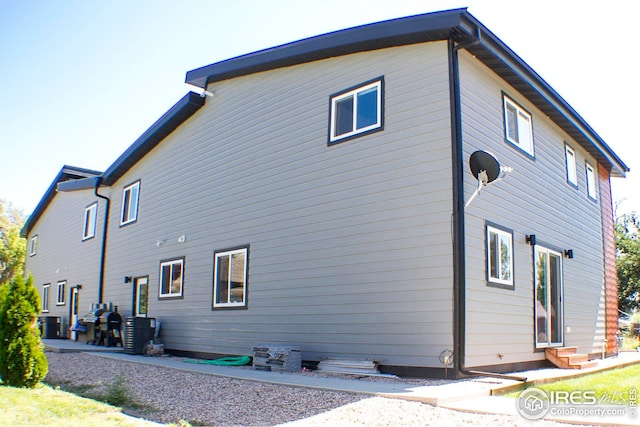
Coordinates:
[568,358]
[562,351]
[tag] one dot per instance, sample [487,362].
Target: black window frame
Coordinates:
[490,281]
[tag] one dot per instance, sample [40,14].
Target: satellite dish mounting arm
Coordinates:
[483,180]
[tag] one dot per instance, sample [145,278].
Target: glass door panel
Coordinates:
[141,297]
[548,298]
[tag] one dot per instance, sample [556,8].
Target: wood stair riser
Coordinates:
[576,359]
[567,358]
[562,351]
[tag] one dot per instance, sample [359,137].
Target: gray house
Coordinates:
[318,199]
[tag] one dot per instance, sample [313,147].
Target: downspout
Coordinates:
[457,219]
[103,250]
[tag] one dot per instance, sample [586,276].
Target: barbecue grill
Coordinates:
[110,329]
[104,326]
[92,322]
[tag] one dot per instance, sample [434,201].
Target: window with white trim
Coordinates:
[130,196]
[33,246]
[172,278]
[45,297]
[230,278]
[518,128]
[570,162]
[356,111]
[499,257]
[90,214]
[591,182]
[61,288]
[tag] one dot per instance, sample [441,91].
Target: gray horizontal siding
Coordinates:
[534,199]
[62,254]
[350,244]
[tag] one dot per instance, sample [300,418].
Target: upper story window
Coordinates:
[591,182]
[130,196]
[230,278]
[499,257]
[518,128]
[356,111]
[172,278]
[33,246]
[61,287]
[570,162]
[90,214]
[45,297]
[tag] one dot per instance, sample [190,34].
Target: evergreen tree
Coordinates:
[628,261]
[22,359]
[12,246]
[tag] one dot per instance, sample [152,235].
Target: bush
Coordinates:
[22,359]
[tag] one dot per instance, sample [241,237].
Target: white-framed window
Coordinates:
[230,278]
[60,292]
[570,162]
[90,215]
[172,278]
[45,297]
[130,197]
[33,246]
[356,111]
[591,182]
[518,126]
[499,257]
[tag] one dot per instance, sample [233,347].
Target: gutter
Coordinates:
[457,217]
[86,184]
[103,249]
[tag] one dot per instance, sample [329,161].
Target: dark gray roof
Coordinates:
[72,178]
[455,24]
[178,114]
[66,174]
[379,35]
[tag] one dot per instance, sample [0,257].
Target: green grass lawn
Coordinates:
[44,406]
[614,384]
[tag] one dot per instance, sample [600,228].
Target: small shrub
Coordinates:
[22,360]
[117,393]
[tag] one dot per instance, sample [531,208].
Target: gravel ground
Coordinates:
[168,396]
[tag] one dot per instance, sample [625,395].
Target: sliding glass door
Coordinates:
[548,298]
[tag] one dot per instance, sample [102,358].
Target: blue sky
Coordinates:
[81,80]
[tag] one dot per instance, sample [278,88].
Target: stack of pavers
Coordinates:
[277,357]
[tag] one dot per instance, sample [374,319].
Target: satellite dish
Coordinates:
[486,169]
[483,161]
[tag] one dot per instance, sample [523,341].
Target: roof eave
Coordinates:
[457,24]
[379,35]
[66,174]
[170,121]
[503,61]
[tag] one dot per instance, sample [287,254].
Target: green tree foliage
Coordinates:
[12,247]
[22,359]
[628,261]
